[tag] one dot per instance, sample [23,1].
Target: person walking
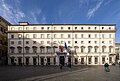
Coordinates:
[106,65]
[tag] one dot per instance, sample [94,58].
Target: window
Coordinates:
[109,28]
[12,28]
[61,28]
[48,28]
[19,49]
[27,42]
[88,27]
[75,27]
[89,49]
[27,49]
[82,42]
[48,42]
[42,42]
[110,42]
[89,36]
[19,28]
[34,42]
[12,36]
[34,28]
[68,35]
[48,35]
[12,49]
[89,42]
[27,35]
[55,36]
[95,35]
[42,35]
[34,36]
[81,27]
[96,60]
[96,49]
[48,50]
[62,35]
[75,35]
[75,41]
[95,42]
[82,49]
[12,42]
[54,28]
[103,49]
[27,28]
[110,49]
[42,50]
[19,36]
[69,28]
[19,42]
[109,35]
[95,28]
[103,36]
[34,49]
[69,42]
[42,28]
[103,42]
[102,27]
[82,35]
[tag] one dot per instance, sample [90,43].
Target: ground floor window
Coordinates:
[34,61]
[27,61]
[48,61]
[96,60]
[12,60]
[89,60]
[76,60]
[19,60]
[110,59]
[103,60]
[42,61]
[82,60]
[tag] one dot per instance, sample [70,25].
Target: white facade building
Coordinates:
[38,44]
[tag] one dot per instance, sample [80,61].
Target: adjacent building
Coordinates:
[54,44]
[3,40]
[117,52]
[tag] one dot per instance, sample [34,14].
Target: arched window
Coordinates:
[34,49]
[27,49]
[12,49]
[96,49]
[76,49]
[48,49]
[82,49]
[110,48]
[89,49]
[19,49]
[42,49]
[103,48]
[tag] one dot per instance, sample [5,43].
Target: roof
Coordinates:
[66,24]
[1,18]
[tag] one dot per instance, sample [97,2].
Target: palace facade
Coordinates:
[54,44]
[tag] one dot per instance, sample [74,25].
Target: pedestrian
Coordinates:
[106,65]
[60,66]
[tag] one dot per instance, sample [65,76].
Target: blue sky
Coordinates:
[62,11]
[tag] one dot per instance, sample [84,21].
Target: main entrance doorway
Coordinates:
[62,60]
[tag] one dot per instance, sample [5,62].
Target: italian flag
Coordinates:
[60,47]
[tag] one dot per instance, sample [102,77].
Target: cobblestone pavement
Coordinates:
[95,73]
[12,73]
